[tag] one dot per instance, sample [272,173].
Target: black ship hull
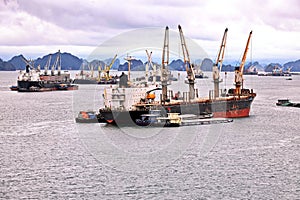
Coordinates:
[230,108]
[42,86]
[85,81]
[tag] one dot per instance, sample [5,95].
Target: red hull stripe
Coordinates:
[233,113]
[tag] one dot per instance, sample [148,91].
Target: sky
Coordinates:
[35,28]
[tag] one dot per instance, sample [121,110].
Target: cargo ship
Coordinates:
[252,70]
[37,80]
[125,105]
[87,77]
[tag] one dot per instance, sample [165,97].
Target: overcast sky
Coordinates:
[35,28]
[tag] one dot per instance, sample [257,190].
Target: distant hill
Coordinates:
[227,68]
[136,65]
[206,64]
[71,62]
[68,61]
[271,66]
[294,65]
[18,62]
[6,66]
[177,65]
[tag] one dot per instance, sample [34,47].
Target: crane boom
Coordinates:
[47,65]
[111,63]
[217,68]
[245,53]
[56,63]
[164,64]
[188,66]
[239,70]
[109,67]
[222,51]
[149,64]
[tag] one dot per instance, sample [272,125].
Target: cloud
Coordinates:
[89,23]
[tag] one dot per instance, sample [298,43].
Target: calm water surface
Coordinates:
[44,154]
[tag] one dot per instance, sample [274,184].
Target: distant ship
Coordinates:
[153,75]
[252,70]
[277,71]
[199,74]
[286,102]
[87,76]
[125,105]
[36,80]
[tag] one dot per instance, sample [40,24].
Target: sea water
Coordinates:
[44,154]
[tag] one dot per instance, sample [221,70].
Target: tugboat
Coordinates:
[89,117]
[128,105]
[286,102]
[35,80]
[13,88]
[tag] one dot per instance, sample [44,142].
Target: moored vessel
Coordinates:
[127,105]
[87,76]
[89,117]
[35,80]
[286,102]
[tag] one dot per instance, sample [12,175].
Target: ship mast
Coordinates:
[217,68]
[29,64]
[164,64]
[239,70]
[149,64]
[188,67]
[59,64]
[91,68]
[47,66]
[129,59]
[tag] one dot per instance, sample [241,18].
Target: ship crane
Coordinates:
[164,64]
[91,68]
[150,64]
[29,64]
[56,63]
[108,67]
[239,70]
[188,66]
[217,68]
[129,59]
[47,65]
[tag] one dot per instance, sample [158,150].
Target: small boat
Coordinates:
[89,117]
[199,74]
[110,80]
[286,102]
[14,88]
[154,119]
[67,87]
